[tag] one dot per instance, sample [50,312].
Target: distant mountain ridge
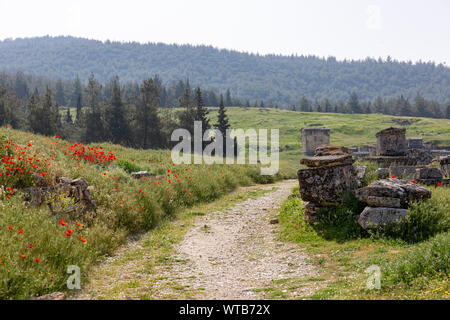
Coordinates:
[272,78]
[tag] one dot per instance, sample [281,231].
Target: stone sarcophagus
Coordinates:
[391,142]
[313,138]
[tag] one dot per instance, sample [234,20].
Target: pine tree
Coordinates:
[403,107]
[317,106]
[116,120]
[33,114]
[77,92]
[420,106]
[47,116]
[223,124]
[187,117]
[378,105]
[3,107]
[202,111]
[327,105]
[304,104]
[353,103]
[94,126]
[148,121]
[78,115]
[59,93]
[228,102]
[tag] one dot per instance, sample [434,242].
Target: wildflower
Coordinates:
[62,222]
[22,256]
[30,245]
[78,224]
[438,184]
[20,231]
[82,239]
[10,228]
[37,260]
[413,181]
[392,177]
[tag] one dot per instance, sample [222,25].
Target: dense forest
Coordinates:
[277,80]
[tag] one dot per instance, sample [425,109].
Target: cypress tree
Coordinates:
[117,123]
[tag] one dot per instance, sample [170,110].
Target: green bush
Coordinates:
[428,260]
[128,166]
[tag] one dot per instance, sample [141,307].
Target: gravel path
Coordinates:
[229,254]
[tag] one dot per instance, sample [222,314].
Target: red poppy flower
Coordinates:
[37,260]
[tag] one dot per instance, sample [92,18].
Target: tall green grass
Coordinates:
[125,206]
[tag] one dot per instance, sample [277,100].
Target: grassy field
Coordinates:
[350,130]
[346,129]
[36,247]
[414,265]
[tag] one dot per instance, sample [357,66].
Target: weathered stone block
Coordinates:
[403,172]
[379,191]
[326,185]
[327,161]
[313,138]
[415,143]
[391,142]
[428,173]
[328,150]
[374,218]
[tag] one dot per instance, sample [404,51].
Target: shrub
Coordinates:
[128,166]
[429,259]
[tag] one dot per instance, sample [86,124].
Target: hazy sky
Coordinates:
[403,29]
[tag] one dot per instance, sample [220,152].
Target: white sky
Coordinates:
[404,29]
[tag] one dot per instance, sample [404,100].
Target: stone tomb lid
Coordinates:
[391,131]
[327,161]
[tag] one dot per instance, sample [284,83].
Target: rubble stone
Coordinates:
[374,218]
[384,192]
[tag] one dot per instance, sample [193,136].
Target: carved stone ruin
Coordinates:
[391,142]
[313,138]
[415,143]
[331,173]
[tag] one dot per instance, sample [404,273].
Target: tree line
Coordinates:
[72,93]
[134,120]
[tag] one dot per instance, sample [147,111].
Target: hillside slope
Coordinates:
[280,79]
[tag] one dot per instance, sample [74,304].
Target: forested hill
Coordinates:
[272,78]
